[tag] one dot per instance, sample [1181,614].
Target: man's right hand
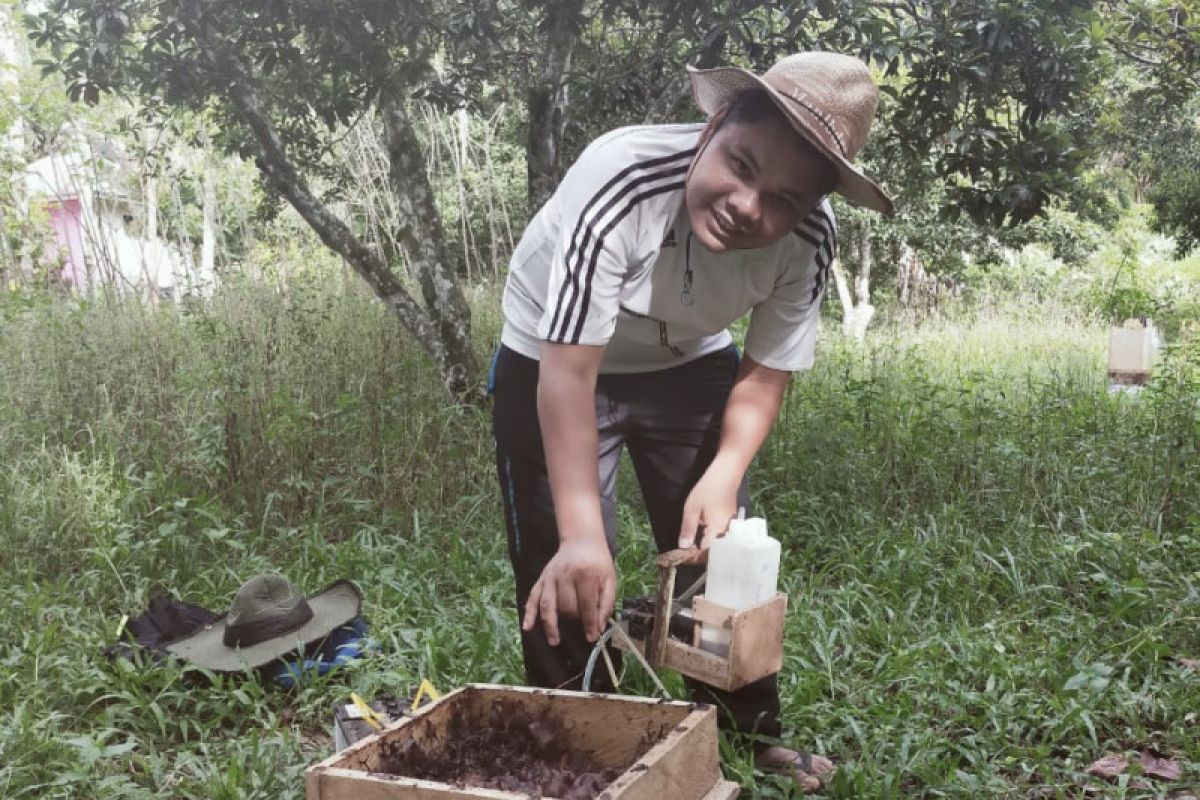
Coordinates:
[580,581]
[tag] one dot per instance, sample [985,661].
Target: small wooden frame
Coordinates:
[755,634]
[681,763]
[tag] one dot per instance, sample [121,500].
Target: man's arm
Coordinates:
[580,579]
[751,411]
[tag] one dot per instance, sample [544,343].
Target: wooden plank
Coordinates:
[312,782]
[691,661]
[610,728]
[333,783]
[683,766]
[1129,377]
[756,644]
[691,557]
[724,790]
[360,753]
[664,597]
[708,612]
[696,663]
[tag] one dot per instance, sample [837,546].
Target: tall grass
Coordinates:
[992,562]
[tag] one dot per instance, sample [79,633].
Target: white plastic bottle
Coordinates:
[743,571]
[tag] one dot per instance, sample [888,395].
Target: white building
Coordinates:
[98,224]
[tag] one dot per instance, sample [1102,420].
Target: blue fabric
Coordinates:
[343,645]
[491,379]
[511,491]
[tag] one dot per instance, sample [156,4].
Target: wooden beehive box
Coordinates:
[1132,350]
[660,749]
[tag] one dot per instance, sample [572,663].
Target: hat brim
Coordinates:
[715,88]
[332,607]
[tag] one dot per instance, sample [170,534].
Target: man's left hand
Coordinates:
[709,506]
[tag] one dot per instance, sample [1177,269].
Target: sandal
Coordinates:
[809,776]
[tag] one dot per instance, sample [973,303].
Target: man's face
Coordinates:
[752,184]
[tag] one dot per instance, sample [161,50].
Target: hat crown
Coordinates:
[828,98]
[835,91]
[265,606]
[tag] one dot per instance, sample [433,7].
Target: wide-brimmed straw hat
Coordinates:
[829,99]
[269,619]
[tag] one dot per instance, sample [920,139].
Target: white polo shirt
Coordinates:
[611,260]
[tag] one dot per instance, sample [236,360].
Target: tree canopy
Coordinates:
[990,110]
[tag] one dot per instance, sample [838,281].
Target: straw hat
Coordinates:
[269,619]
[830,100]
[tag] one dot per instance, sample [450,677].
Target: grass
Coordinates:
[993,564]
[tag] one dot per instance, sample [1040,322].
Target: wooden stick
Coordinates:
[656,643]
[691,557]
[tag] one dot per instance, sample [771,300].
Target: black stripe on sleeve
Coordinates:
[823,221]
[574,256]
[587,292]
[818,230]
[593,242]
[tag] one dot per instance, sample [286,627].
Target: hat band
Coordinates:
[820,118]
[245,634]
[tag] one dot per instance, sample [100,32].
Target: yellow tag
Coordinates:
[426,688]
[367,712]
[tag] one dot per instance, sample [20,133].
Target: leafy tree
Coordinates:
[989,113]
[1175,196]
[280,77]
[995,99]
[1152,137]
[1153,119]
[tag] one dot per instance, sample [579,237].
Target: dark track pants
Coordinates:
[671,421]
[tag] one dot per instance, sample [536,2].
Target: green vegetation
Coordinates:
[993,564]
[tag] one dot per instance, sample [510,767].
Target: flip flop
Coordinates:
[798,766]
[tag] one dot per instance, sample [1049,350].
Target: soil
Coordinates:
[507,749]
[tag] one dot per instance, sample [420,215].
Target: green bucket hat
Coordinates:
[269,619]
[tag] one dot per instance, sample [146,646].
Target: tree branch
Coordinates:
[547,99]
[283,177]
[420,229]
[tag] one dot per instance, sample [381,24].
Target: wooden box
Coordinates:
[755,644]
[661,749]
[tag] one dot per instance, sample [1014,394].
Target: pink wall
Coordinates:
[68,228]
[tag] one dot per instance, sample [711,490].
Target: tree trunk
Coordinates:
[919,291]
[208,234]
[13,57]
[462,154]
[150,169]
[444,330]
[420,232]
[909,273]
[150,200]
[857,311]
[546,101]
[843,290]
